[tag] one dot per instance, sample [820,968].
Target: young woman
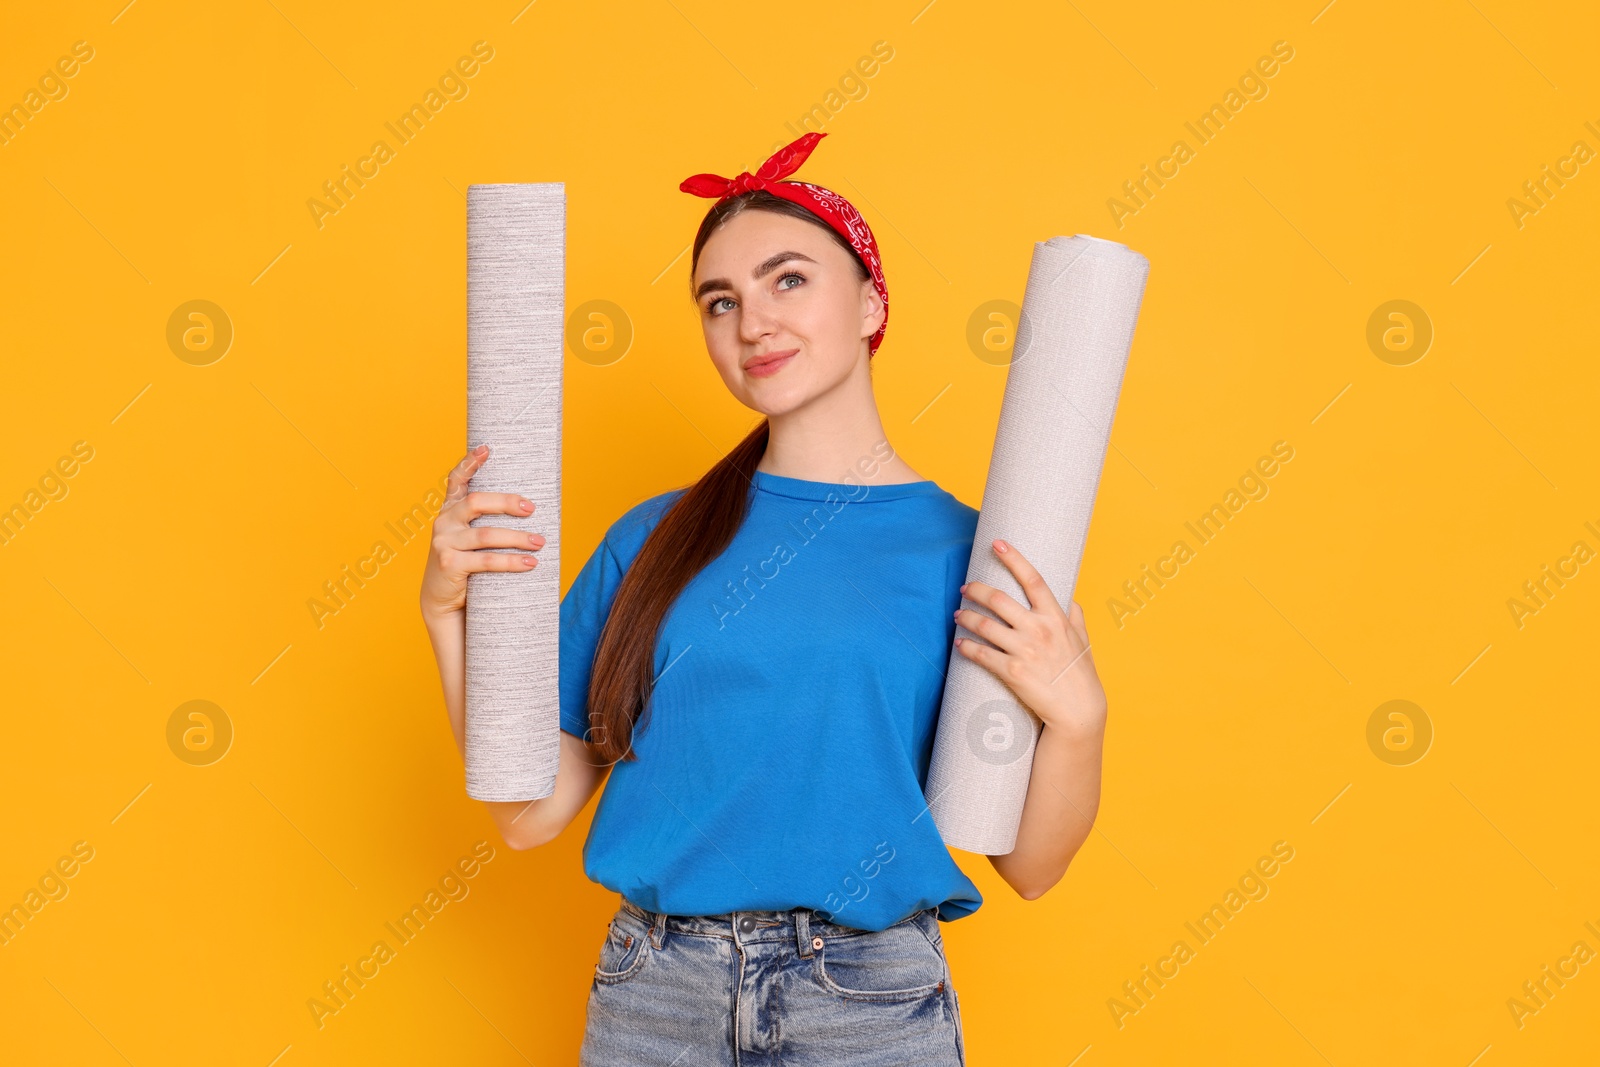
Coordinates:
[756,662]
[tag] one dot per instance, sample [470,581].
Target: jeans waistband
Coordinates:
[800,925]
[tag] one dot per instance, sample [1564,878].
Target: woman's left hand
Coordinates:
[1041,653]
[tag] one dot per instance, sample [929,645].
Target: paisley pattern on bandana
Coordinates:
[826,204]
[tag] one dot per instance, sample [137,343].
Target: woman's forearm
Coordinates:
[1063,799]
[448,633]
[522,823]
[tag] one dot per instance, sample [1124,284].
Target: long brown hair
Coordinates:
[692,533]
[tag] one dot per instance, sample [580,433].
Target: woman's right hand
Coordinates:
[454,551]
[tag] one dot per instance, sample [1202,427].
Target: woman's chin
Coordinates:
[773,399]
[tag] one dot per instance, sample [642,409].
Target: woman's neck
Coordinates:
[836,437]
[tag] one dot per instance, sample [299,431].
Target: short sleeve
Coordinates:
[583,615]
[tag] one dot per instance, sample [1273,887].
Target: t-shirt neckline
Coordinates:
[853,492]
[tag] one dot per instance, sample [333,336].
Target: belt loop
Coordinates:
[802,932]
[658,930]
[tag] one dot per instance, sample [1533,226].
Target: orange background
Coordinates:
[178,564]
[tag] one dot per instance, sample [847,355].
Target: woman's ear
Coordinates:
[871,308]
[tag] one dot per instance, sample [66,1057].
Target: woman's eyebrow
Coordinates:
[765,267]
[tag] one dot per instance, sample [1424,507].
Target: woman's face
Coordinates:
[771,285]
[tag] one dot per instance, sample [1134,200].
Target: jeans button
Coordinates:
[747,923]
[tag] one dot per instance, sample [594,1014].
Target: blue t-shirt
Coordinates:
[798,681]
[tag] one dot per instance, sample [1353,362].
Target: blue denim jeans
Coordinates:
[757,988]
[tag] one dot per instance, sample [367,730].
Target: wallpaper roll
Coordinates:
[1071,347]
[516,289]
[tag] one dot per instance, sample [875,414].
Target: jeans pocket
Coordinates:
[888,966]
[624,951]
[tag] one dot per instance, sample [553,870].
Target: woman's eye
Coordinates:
[714,306]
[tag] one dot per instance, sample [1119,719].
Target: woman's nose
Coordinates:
[755,321]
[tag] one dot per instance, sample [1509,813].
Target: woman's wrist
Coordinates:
[1092,733]
[443,620]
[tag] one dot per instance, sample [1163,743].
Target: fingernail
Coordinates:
[1000,546]
[531,561]
[535,540]
[526,505]
[964,586]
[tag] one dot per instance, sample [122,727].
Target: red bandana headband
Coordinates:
[832,208]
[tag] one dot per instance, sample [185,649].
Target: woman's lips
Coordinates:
[769,365]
